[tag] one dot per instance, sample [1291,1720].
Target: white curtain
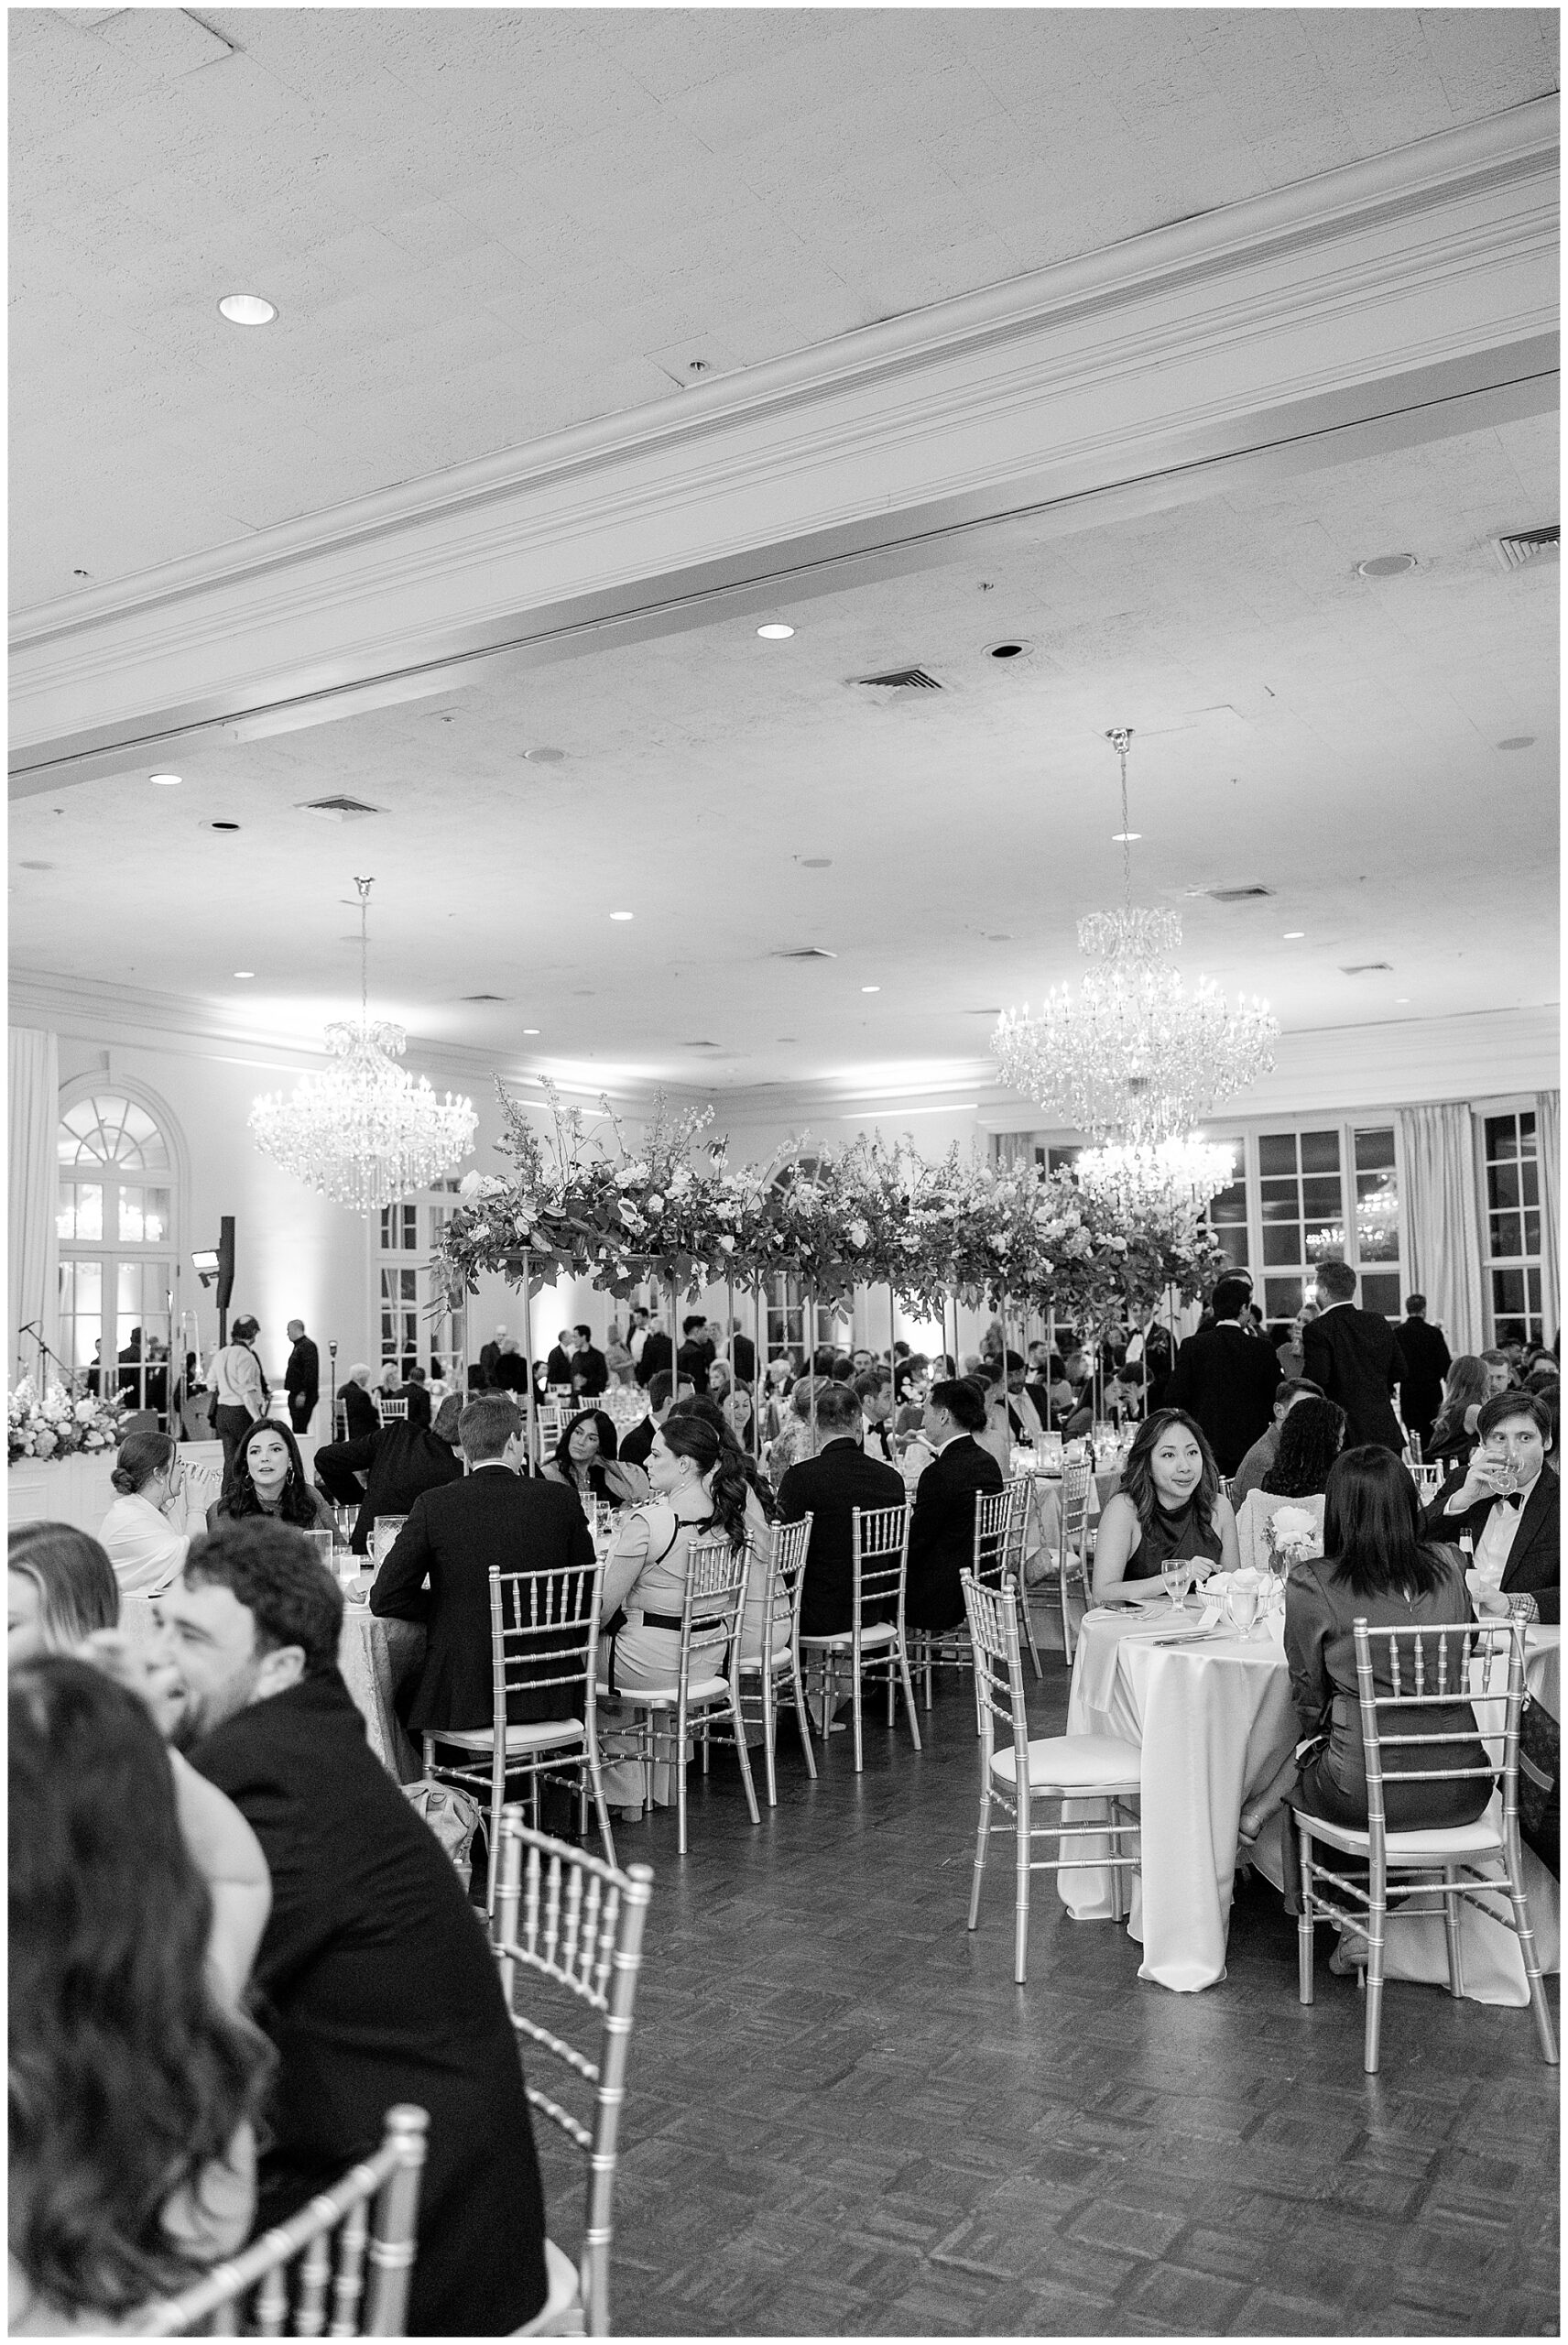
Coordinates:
[33,1277]
[1443,1220]
[1549,1139]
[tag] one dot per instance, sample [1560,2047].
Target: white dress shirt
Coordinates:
[1495,1543]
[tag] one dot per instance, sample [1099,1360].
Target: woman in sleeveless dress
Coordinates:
[1170,1504]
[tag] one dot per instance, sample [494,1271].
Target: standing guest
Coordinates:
[268,1477]
[587,1445]
[511,1367]
[398,1460]
[135,2081]
[942,1525]
[239,1388]
[1260,1457]
[1508,1507]
[637,1334]
[1355,1356]
[1169,1505]
[617,1354]
[780,1379]
[657,1356]
[359,1409]
[137,1534]
[1225,1379]
[590,1370]
[1309,1440]
[1464,1394]
[558,1365]
[451,1538]
[874,1390]
[61,1589]
[1427,1361]
[375,1978]
[1289,1351]
[488,1356]
[696,1353]
[302,1377]
[828,1487]
[743,1353]
[661,1391]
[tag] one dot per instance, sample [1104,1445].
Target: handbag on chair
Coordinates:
[1538,1758]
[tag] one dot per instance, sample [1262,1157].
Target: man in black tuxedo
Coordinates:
[302,1377]
[1225,1378]
[696,1354]
[942,1527]
[511,1374]
[661,1392]
[743,1352]
[657,1356]
[829,1486]
[874,1390]
[1427,1361]
[590,1369]
[373,1978]
[1509,1502]
[452,1537]
[558,1367]
[1355,1358]
[398,1461]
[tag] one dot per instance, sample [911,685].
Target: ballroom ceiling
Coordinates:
[478,227]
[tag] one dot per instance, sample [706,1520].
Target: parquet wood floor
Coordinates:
[844,2119]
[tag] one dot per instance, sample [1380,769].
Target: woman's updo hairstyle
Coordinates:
[141,1456]
[694,1438]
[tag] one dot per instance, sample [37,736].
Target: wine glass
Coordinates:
[1176,1572]
[1241,1603]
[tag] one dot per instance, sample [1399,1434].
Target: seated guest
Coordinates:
[661,1390]
[910,1384]
[1508,1505]
[1226,1379]
[586,1446]
[829,1486]
[137,1533]
[1376,1566]
[1260,1457]
[511,1367]
[558,1365]
[374,1975]
[718,1380]
[1169,1505]
[1501,1373]
[942,1526]
[793,1440]
[268,1477]
[61,1590]
[135,2081]
[990,1380]
[874,1390]
[761,1511]
[1309,1440]
[590,1369]
[400,1459]
[1024,1422]
[740,1416]
[1465,1392]
[451,1538]
[359,1409]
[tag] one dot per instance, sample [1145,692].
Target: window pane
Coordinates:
[1376,1218]
[1532,1288]
[1230,1204]
[1529,1183]
[1277,1153]
[1502,1187]
[1375,1149]
[1230,1240]
[1527,1134]
[1507,1235]
[1320,1151]
[1282,1208]
[1507,1290]
[1320,1200]
[1282,1245]
[1281,1298]
[1325,1241]
[1502,1138]
[1532,1233]
[1381,1291]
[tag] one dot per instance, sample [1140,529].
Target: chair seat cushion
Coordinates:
[780,1661]
[560,2314]
[1479,1839]
[1100,1762]
[877,1632]
[544,1736]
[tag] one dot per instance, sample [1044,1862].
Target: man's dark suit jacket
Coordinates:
[656,1354]
[1534,1558]
[590,1373]
[1427,1361]
[512,1374]
[359,1411]
[558,1367]
[398,1461]
[942,1532]
[1355,1358]
[634,1450]
[1227,1380]
[378,1986]
[303,1373]
[829,1487]
[694,1360]
[455,1536]
[745,1360]
[489,1355]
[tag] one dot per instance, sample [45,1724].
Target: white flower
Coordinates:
[655,1204]
[857,1233]
[630,1175]
[469,1186]
[491,1185]
[727,1245]
[1292,1522]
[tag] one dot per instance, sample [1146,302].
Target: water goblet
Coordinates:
[1241,1603]
[1176,1572]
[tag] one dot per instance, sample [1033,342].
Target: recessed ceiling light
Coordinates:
[1011,649]
[245,973]
[36,867]
[248,310]
[544,756]
[222,826]
[1385,565]
[165,780]
[1292,934]
[1401,1001]
[530,1029]
[870,989]
[775,632]
[1124,838]
[623,915]
[816,862]
[1518,741]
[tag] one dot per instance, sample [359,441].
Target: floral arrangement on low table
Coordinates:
[54,1425]
[1294,1536]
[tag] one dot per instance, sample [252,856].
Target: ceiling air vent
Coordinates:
[1367,969]
[1237,895]
[702,1046]
[338,810]
[1526,545]
[903,680]
[806,953]
[482,996]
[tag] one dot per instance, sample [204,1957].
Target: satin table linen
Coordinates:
[1214,1721]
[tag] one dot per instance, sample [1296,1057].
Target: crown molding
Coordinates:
[1366,300]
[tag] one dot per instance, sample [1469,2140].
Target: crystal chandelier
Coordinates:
[1135,1053]
[1178,1176]
[366,1132]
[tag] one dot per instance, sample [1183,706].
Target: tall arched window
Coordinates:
[116,1248]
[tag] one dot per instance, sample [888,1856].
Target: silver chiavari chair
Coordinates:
[704,1694]
[1435,1672]
[544,1628]
[341,2265]
[1015,1772]
[565,1918]
[391,1406]
[1072,1541]
[875,1647]
[1001,1520]
[777,1665]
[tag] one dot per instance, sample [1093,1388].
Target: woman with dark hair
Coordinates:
[586,1446]
[1465,1391]
[145,1550]
[1311,1438]
[133,2082]
[1169,1505]
[268,1477]
[399,1460]
[61,1590]
[699,1491]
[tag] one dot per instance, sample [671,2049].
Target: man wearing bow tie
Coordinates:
[1508,1501]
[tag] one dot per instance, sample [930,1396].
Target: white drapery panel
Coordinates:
[1549,1139]
[33,1278]
[1443,1220]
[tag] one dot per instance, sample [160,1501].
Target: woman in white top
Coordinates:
[147,1551]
